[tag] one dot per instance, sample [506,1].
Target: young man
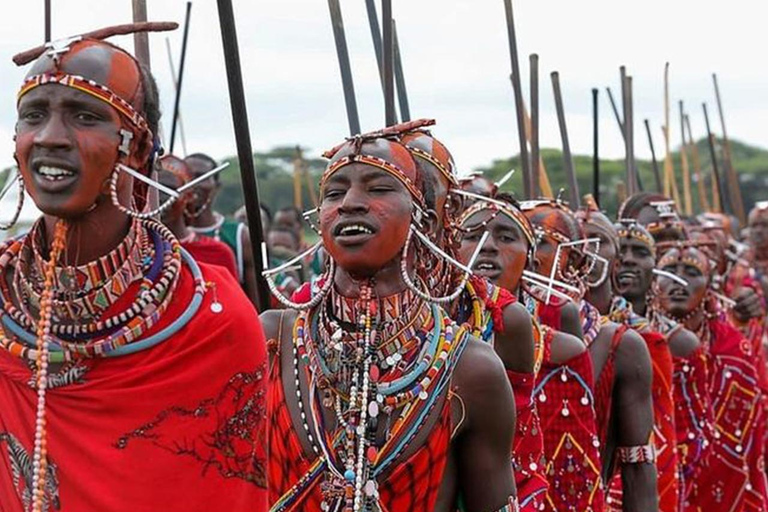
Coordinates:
[204,220]
[131,378]
[377,400]
[173,173]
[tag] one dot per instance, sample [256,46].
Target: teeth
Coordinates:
[485,266]
[54,173]
[355,229]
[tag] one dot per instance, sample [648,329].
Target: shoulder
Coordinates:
[516,317]
[633,359]
[683,343]
[570,319]
[274,321]
[565,347]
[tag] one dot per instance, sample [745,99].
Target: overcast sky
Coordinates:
[456,60]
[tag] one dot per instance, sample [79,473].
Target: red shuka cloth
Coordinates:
[176,427]
[664,433]
[734,477]
[413,484]
[213,252]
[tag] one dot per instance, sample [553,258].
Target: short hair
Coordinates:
[207,158]
[292,210]
[279,229]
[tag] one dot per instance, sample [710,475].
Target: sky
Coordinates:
[456,65]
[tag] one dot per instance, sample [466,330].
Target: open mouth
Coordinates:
[487,268]
[54,178]
[678,294]
[626,277]
[353,233]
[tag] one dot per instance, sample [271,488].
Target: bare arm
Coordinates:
[683,343]
[484,445]
[634,408]
[515,345]
[570,320]
[249,269]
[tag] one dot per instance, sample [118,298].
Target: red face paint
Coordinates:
[692,265]
[504,255]
[365,216]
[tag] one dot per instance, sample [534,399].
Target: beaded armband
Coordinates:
[643,454]
[511,506]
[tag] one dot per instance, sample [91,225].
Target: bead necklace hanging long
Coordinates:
[40,458]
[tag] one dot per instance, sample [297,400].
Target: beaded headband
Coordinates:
[91,88]
[686,253]
[446,168]
[630,229]
[515,215]
[379,163]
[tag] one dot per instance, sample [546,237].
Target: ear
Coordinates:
[453,205]
[429,224]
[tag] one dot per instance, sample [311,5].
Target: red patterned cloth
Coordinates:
[177,427]
[571,446]
[734,478]
[412,485]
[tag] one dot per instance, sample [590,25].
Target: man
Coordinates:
[173,173]
[131,378]
[204,220]
[350,430]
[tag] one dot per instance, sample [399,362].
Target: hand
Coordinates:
[748,305]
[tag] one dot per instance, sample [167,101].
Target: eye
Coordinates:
[87,117]
[32,115]
[380,189]
[472,236]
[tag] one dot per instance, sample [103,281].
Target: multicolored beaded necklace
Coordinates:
[345,373]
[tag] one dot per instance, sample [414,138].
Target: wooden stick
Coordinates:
[524,161]
[734,187]
[570,172]
[182,137]
[297,175]
[402,93]
[688,199]
[342,53]
[670,181]
[373,24]
[654,162]
[543,179]
[616,112]
[388,65]
[141,39]
[595,148]
[180,80]
[716,183]
[700,185]
[47,21]
[535,152]
[244,149]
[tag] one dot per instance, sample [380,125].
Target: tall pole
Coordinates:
[703,201]
[180,79]
[629,126]
[535,152]
[388,65]
[402,93]
[517,86]
[616,111]
[570,172]
[687,196]
[628,172]
[141,39]
[595,148]
[734,188]
[670,180]
[373,24]
[182,137]
[244,150]
[47,21]
[713,154]
[353,119]
[654,162]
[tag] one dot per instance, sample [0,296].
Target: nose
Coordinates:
[53,134]
[626,259]
[354,201]
[490,247]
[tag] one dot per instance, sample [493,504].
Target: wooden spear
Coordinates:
[47,21]
[654,162]
[388,63]
[337,22]
[544,186]
[402,93]
[734,188]
[716,183]
[182,137]
[535,149]
[297,175]
[595,148]
[570,172]
[180,78]
[700,184]
[525,163]
[670,182]
[141,39]
[688,199]
[244,150]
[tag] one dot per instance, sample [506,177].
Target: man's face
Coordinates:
[606,250]
[503,257]
[282,244]
[287,220]
[206,190]
[635,269]
[176,210]
[758,234]
[66,149]
[679,300]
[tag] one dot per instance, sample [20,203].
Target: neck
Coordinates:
[601,297]
[638,304]
[205,219]
[694,322]
[90,236]
[177,226]
[387,281]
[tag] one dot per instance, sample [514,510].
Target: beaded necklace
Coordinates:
[351,457]
[214,230]
[591,322]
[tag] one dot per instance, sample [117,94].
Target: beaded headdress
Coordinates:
[632,230]
[758,212]
[424,147]
[688,252]
[504,208]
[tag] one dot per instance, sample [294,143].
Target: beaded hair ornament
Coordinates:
[630,229]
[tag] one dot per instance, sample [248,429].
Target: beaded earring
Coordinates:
[269,273]
[19,201]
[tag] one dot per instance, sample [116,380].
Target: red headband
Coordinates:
[424,146]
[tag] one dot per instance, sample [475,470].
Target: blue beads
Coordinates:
[349,475]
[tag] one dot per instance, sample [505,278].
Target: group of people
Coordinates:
[442,347]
